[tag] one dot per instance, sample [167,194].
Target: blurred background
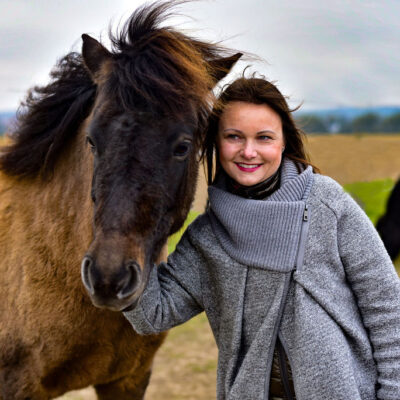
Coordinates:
[339,61]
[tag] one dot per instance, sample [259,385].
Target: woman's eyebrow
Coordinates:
[232,129]
[239,131]
[266,131]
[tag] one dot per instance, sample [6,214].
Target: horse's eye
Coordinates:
[89,141]
[181,150]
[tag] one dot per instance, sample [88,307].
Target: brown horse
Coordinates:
[102,166]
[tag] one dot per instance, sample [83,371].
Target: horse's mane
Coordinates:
[154,68]
[48,117]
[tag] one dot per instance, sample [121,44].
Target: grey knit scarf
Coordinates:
[259,191]
[263,233]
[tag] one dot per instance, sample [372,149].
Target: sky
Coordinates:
[321,54]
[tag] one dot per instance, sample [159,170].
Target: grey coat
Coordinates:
[306,264]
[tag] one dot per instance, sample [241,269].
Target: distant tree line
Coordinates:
[366,123]
[311,123]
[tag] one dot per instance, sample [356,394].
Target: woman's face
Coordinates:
[250,142]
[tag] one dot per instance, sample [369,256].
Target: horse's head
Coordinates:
[153,98]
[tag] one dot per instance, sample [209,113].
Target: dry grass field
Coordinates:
[185,366]
[356,158]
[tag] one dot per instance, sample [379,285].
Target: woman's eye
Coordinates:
[264,137]
[181,150]
[232,137]
[89,141]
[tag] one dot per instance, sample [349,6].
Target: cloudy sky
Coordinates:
[325,54]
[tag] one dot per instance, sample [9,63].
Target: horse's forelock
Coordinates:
[145,20]
[158,67]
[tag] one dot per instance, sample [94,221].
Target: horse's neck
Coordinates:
[53,214]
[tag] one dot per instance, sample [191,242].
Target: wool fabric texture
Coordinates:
[336,312]
[281,383]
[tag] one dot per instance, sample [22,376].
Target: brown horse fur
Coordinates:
[156,82]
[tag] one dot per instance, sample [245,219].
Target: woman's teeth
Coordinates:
[248,165]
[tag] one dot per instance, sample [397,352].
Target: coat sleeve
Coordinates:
[374,281]
[173,294]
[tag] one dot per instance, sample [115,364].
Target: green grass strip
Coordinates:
[371,196]
[174,239]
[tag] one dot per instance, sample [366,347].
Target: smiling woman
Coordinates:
[250,142]
[250,131]
[287,267]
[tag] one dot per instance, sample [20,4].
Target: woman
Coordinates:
[289,270]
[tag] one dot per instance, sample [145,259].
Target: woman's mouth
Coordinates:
[248,167]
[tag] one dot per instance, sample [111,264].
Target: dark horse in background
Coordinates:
[388,226]
[102,167]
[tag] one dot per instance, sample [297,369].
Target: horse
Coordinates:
[101,168]
[388,225]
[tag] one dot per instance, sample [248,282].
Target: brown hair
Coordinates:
[257,91]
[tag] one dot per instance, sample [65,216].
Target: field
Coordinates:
[185,366]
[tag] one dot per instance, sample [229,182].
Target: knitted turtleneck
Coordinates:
[256,192]
[337,318]
[240,223]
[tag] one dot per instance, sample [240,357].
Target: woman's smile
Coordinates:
[248,167]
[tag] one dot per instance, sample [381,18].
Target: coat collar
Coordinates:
[263,233]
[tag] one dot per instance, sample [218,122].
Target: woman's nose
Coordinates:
[248,151]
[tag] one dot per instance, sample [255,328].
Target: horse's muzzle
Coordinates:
[114,291]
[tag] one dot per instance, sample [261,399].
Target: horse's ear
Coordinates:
[94,55]
[220,67]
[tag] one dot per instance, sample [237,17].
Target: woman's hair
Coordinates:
[256,91]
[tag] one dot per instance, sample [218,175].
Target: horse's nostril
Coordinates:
[87,263]
[132,280]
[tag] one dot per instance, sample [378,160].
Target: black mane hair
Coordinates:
[48,117]
[154,68]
